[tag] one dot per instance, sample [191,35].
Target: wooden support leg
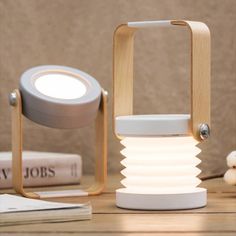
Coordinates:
[17,140]
[101,148]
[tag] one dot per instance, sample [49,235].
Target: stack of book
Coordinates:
[41,169]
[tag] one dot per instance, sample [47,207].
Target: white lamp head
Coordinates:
[160,150]
[59,96]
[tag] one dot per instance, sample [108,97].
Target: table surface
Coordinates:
[217,218]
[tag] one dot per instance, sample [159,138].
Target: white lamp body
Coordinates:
[160,150]
[160,171]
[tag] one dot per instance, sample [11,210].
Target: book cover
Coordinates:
[42,169]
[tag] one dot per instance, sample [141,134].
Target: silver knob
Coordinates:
[204,131]
[12,99]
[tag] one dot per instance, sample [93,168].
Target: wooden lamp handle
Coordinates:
[200,71]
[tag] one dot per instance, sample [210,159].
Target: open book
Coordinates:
[16,210]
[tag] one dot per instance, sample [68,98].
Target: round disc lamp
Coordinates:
[160,164]
[65,98]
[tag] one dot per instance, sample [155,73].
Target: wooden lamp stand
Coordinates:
[100,157]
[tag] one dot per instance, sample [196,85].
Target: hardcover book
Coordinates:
[42,169]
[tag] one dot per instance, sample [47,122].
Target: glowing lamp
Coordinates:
[160,152]
[65,98]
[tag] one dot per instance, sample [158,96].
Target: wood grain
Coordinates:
[142,223]
[123,51]
[218,218]
[101,149]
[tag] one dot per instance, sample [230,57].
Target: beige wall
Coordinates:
[79,34]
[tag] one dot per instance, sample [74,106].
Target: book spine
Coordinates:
[43,169]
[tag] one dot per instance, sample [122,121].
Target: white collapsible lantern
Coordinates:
[160,150]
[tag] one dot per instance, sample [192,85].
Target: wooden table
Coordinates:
[218,218]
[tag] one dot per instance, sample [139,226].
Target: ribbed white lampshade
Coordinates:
[160,164]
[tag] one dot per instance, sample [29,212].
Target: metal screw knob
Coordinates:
[204,131]
[12,99]
[106,94]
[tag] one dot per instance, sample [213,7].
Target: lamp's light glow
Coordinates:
[60,86]
[160,164]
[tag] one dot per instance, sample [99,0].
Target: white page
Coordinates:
[11,203]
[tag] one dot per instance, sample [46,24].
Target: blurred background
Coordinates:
[79,33]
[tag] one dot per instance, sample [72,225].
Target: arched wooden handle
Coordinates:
[200,69]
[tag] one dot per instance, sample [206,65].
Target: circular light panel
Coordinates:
[59,96]
[60,86]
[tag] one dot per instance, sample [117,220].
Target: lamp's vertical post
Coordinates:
[16,110]
[123,51]
[101,148]
[17,140]
[101,141]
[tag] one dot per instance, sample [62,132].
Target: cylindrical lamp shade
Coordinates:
[59,96]
[160,163]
